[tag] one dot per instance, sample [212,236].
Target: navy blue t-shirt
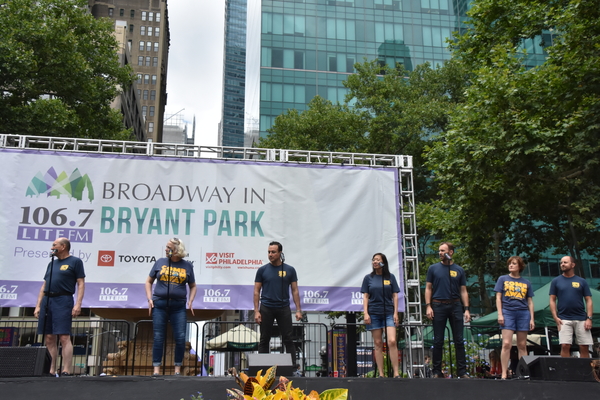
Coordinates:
[180,274]
[375,286]
[446,280]
[569,294]
[515,292]
[64,275]
[275,290]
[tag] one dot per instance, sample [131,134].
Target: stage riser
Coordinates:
[213,388]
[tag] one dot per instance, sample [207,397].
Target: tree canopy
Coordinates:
[59,71]
[521,157]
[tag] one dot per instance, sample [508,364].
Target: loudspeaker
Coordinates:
[263,361]
[24,361]
[555,368]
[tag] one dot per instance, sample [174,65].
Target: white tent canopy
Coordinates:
[238,338]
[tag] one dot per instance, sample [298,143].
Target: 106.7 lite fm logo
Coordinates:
[44,224]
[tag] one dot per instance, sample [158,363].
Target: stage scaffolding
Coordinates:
[413,332]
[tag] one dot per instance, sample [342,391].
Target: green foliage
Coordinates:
[59,71]
[521,158]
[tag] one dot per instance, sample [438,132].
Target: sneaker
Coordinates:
[177,373]
[465,376]
[437,376]
[65,374]
[155,374]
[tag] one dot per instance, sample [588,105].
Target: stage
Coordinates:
[213,388]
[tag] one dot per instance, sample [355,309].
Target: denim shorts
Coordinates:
[517,321]
[377,322]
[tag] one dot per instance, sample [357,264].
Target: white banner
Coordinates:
[119,211]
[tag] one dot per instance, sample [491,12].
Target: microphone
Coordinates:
[170,253]
[381,265]
[53,252]
[447,256]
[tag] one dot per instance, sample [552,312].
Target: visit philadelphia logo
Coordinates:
[74,186]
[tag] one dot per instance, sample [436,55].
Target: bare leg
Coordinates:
[393,347]
[507,336]
[565,350]
[584,351]
[53,350]
[378,344]
[67,353]
[178,369]
[522,344]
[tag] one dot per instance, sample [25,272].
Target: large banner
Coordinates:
[120,210]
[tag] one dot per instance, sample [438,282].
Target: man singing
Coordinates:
[55,306]
[272,287]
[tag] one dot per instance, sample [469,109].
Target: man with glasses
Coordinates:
[272,290]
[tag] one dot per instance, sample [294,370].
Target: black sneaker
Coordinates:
[65,374]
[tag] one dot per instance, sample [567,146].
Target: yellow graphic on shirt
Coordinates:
[515,290]
[282,274]
[387,282]
[453,274]
[176,275]
[575,285]
[64,267]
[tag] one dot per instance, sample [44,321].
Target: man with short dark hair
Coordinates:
[572,316]
[55,305]
[272,288]
[447,300]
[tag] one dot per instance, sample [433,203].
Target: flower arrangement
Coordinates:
[259,388]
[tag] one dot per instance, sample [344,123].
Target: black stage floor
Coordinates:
[212,388]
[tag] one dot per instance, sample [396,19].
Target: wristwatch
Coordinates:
[588,317]
[466,308]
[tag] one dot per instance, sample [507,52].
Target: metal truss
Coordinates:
[403,163]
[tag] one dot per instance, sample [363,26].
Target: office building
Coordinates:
[147,34]
[303,48]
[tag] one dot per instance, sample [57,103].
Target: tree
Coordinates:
[521,158]
[59,71]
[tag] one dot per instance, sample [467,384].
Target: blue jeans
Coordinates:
[284,322]
[442,313]
[160,316]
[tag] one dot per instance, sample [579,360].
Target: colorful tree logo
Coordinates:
[53,184]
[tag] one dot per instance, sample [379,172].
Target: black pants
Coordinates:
[453,313]
[283,316]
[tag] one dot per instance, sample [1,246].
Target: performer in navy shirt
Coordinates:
[272,289]
[572,316]
[380,304]
[446,287]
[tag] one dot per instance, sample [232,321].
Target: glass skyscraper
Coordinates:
[309,47]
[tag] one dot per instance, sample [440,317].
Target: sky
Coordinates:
[194,75]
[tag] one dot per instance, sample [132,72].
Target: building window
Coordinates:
[153,95]
[150,127]
[146,79]
[139,92]
[595,270]
[111,12]
[145,95]
[132,13]
[148,61]
[157,19]
[148,46]
[121,12]
[131,28]
[157,32]
[155,61]
[549,268]
[142,45]
[143,30]
[156,47]
[129,44]
[144,13]
[144,111]
[150,16]
[149,31]
[139,79]
[154,79]
[141,60]
[151,114]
